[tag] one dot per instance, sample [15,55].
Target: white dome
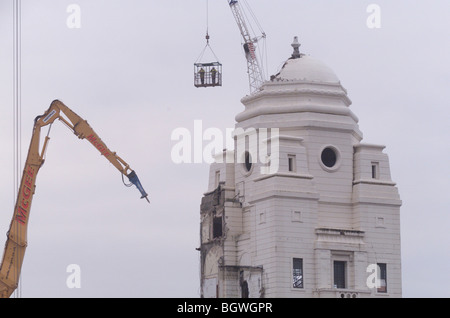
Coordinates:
[306,68]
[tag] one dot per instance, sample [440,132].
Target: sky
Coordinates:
[128,68]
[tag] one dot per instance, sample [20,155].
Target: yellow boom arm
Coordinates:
[16,242]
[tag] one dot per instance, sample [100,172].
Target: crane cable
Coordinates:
[207,37]
[254,18]
[207,21]
[17,111]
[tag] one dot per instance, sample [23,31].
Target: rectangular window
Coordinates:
[291,163]
[382,273]
[375,170]
[339,269]
[297,273]
[217,227]
[217,179]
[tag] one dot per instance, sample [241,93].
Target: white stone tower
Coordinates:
[301,207]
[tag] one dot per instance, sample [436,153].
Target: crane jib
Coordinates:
[250,49]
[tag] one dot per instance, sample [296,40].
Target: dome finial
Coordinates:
[296,54]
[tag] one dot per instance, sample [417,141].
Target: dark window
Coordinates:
[297,273]
[248,161]
[374,170]
[382,273]
[217,227]
[291,163]
[244,290]
[329,157]
[339,274]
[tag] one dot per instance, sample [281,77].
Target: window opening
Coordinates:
[248,161]
[217,227]
[375,170]
[217,179]
[244,290]
[339,268]
[291,163]
[328,157]
[382,273]
[297,273]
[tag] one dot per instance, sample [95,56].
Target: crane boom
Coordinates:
[255,73]
[16,242]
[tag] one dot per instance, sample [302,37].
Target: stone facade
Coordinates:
[316,213]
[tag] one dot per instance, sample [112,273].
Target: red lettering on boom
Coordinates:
[25,204]
[21,215]
[28,180]
[22,209]
[30,171]
[97,144]
[26,192]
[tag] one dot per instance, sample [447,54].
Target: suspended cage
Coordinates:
[207,74]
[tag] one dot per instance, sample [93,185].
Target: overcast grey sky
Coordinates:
[129,71]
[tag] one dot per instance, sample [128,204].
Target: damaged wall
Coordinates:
[221,273]
[211,250]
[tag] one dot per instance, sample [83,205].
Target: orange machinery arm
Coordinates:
[17,235]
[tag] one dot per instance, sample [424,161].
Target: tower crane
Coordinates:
[254,68]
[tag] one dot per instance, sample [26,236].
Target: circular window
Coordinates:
[328,157]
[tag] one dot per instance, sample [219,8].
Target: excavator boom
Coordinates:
[16,242]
